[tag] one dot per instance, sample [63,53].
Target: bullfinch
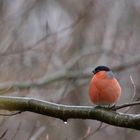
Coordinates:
[104,88]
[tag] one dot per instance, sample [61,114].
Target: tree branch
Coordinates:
[126,105]
[60,75]
[65,112]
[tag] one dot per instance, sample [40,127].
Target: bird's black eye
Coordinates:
[100,68]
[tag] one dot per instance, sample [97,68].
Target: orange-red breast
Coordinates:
[104,87]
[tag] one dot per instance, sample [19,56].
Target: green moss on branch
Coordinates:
[65,112]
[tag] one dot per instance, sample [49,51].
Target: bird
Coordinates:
[104,88]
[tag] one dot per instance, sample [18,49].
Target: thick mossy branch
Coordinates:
[65,112]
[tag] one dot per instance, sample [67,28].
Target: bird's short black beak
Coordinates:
[93,71]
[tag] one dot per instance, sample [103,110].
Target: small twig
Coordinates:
[5,90]
[17,130]
[89,132]
[134,88]
[134,93]
[11,114]
[61,75]
[63,93]
[3,134]
[38,133]
[97,129]
[126,105]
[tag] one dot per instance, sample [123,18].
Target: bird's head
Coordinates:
[105,69]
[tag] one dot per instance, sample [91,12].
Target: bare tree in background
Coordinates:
[42,41]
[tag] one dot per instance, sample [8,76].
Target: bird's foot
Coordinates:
[108,107]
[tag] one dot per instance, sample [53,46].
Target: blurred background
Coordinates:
[46,44]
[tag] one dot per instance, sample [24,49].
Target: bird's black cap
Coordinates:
[100,68]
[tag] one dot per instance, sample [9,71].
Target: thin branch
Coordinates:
[65,112]
[134,88]
[90,133]
[134,94]
[87,134]
[126,105]
[11,114]
[37,133]
[17,130]
[61,75]
[135,61]
[3,134]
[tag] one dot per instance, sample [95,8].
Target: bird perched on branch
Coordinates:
[104,88]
